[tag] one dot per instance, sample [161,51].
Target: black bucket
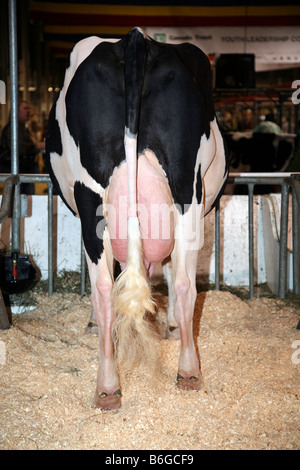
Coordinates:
[17,274]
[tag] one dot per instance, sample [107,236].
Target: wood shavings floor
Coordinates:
[250,398]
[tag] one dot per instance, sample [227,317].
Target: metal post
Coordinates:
[13,68]
[250,239]
[296,242]
[50,238]
[217,246]
[295,184]
[283,240]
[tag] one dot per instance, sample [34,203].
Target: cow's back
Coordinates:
[176,111]
[173,118]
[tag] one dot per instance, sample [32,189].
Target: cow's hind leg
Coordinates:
[172,330]
[100,264]
[92,327]
[108,394]
[184,261]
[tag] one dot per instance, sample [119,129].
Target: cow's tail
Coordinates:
[131,295]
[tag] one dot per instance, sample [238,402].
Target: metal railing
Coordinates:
[16,215]
[287,181]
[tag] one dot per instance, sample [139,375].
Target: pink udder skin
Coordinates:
[154,209]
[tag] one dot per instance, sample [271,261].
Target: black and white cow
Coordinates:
[135,151]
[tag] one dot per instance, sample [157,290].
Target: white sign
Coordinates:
[277,45]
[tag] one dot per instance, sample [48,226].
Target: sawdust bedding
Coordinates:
[250,398]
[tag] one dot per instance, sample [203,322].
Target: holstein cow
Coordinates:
[135,151]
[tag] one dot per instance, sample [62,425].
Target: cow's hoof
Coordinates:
[189,383]
[108,402]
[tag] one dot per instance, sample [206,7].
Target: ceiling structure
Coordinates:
[48,30]
[66,22]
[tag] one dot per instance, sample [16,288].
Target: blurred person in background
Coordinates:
[268,126]
[28,148]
